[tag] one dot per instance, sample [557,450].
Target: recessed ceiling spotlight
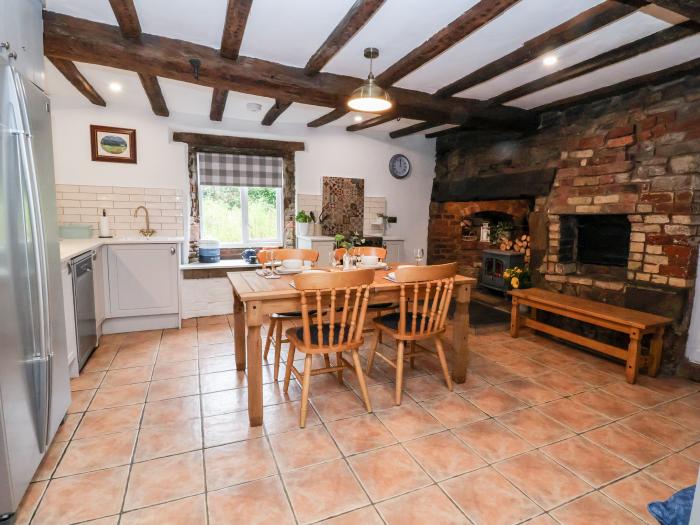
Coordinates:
[253,106]
[550,60]
[115,86]
[358,118]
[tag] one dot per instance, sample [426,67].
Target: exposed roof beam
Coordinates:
[155,95]
[275,111]
[75,77]
[236,18]
[582,24]
[95,43]
[648,43]
[468,22]
[328,117]
[413,128]
[218,104]
[200,140]
[381,119]
[127,17]
[657,77]
[687,8]
[356,17]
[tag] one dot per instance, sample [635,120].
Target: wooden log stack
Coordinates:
[521,244]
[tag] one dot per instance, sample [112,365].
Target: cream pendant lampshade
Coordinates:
[370,97]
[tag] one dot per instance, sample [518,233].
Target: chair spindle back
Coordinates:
[281,254]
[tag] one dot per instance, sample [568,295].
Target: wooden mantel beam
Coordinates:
[75,77]
[201,140]
[356,17]
[237,13]
[687,8]
[275,111]
[580,25]
[376,121]
[218,104]
[81,40]
[413,128]
[155,95]
[328,117]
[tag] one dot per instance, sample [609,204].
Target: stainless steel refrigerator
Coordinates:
[34,380]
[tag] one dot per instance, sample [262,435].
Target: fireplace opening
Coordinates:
[603,239]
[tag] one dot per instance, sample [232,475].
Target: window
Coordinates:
[240,199]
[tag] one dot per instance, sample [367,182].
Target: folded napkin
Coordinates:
[391,276]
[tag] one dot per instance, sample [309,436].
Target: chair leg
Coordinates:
[443,362]
[372,350]
[379,314]
[288,368]
[361,379]
[399,371]
[278,347]
[412,360]
[339,362]
[268,340]
[327,360]
[305,390]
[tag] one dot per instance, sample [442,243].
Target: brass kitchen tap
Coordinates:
[147,232]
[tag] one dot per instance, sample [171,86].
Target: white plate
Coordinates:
[314,271]
[288,271]
[378,266]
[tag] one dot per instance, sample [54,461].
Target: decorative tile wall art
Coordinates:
[343,205]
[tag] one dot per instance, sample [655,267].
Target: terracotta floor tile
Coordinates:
[495,373]
[681,413]
[493,400]
[673,386]
[525,367]
[677,471]
[662,429]
[167,440]
[383,397]
[338,405]
[119,396]
[592,376]
[227,428]
[693,400]
[409,421]
[554,359]
[360,434]
[50,460]
[562,383]
[428,505]
[323,490]
[224,402]
[67,428]
[274,394]
[636,492]
[128,376]
[176,354]
[304,447]
[100,359]
[443,456]
[181,335]
[171,411]
[285,417]
[215,334]
[109,520]
[388,472]
[187,323]
[86,381]
[453,410]
[176,369]
[80,401]
[593,508]
[473,381]
[487,498]
[217,364]
[574,415]
[593,464]
[260,502]
[636,394]
[109,420]
[425,387]
[692,452]
[82,497]
[238,463]
[164,479]
[365,516]
[630,446]
[29,502]
[218,381]
[611,406]
[133,359]
[187,511]
[534,427]
[101,452]
[492,441]
[320,385]
[211,320]
[542,480]
[542,519]
[215,350]
[170,388]
[142,336]
[529,391]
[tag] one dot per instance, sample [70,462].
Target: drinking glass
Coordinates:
[331,259]
[418,255]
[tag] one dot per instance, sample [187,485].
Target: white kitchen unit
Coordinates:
[394,250]
[322,244]
[22,28]
[69,311]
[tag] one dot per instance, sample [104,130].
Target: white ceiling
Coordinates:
[289,32]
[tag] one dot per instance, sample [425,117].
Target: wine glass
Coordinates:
[331,258]
[418,255]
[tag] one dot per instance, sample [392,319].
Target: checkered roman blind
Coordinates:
[225,169]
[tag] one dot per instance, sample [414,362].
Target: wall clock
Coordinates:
[399,166]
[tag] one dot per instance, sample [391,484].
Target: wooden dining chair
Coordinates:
[424,301]
[344,296]
[361,250]
[274,329]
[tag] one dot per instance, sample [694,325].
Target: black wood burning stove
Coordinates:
[494,263]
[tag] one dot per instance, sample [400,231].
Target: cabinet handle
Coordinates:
[172,251]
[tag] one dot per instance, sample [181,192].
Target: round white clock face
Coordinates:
[399,166]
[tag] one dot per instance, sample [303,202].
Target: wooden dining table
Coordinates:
[255,297]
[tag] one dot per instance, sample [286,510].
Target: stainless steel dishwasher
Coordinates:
[84,304]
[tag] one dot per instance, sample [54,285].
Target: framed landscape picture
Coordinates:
[113,144]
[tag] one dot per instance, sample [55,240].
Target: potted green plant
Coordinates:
[304,220]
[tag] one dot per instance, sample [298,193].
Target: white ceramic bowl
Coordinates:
[292,264]
[370,260]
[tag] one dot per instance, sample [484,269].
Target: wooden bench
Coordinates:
[632,322]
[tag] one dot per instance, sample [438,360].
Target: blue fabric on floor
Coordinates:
[676,509]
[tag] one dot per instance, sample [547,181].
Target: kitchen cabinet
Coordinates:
[22,27]
[394,251]
[323,245]
[143,279]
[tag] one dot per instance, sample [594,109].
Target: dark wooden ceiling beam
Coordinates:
[155,95]
[643,45]
[650,79]
[413,128]
[687,8]
[356,17]
[468,22]
[127,17]
[218,104]
[582,24]
[275,111]
[370,123]
[201,140]
[75,77]
[81,40]
[328,118]
[237,12]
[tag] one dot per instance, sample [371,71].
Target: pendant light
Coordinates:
[370,97]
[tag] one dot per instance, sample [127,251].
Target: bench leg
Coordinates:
[657,343]
[633,352]
[515,318]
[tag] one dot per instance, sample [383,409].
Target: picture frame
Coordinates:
[110,144]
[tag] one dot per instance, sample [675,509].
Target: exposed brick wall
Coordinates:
[637,154]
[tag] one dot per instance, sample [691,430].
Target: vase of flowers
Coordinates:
[517,278]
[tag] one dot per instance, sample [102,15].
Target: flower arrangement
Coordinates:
[517,277]
[355,239]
